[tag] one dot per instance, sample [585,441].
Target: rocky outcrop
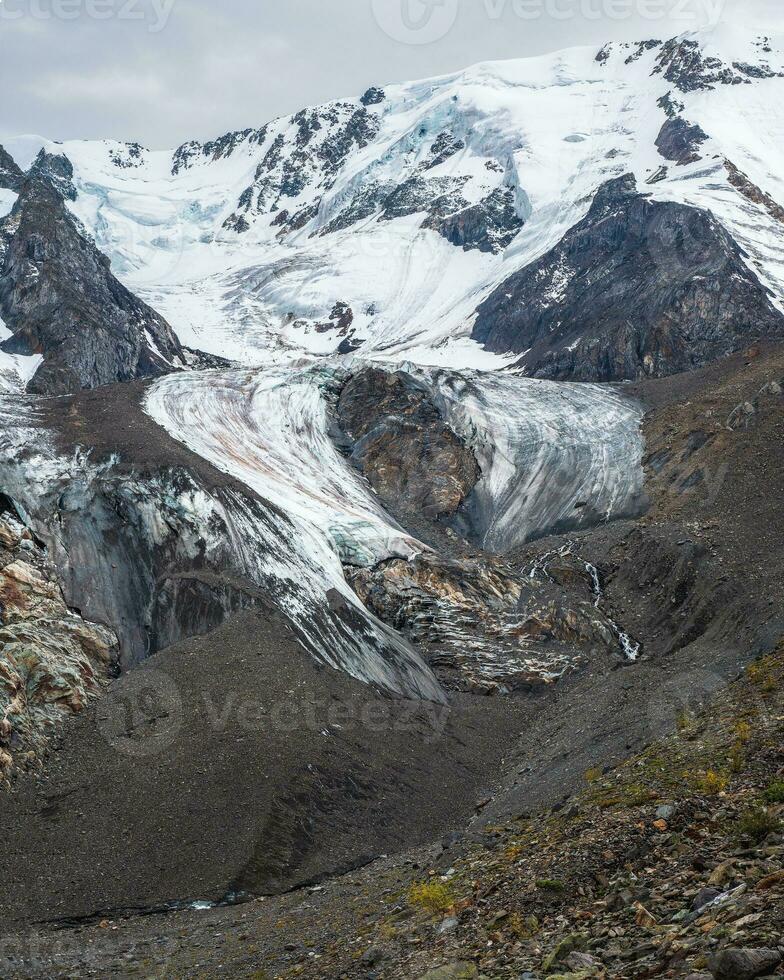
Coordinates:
[637,288]
[187,155]
[680,141]
[58,170]
[52,662]
[433,195]
[488,226]
[742,183]
[484,627]
[11,177]
[309,154]
[373,96]
[60,299]
[683,62]
[128,156]
[412,459]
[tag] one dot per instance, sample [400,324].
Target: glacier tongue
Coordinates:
[164,556]
[269,428]
[554,456]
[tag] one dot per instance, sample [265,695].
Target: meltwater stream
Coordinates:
[540,570]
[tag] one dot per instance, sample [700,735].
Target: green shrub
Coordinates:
[757,824]
[775,792]
[549,885]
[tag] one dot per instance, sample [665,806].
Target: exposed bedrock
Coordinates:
[492,462]
[499,459]
[637,288]
[680,141]
[52,663]
[57,170]
[409,455]
[60,299]
[11,177]
[486,627]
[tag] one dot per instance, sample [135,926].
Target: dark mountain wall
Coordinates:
[637,288]
[59,297]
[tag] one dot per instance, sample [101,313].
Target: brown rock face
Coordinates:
[410,456]
[752,192]
[52,662]
[484,625]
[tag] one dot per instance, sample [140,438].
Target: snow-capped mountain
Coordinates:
[290,421]
[384,222]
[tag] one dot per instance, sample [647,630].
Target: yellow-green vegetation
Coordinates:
[742,731]
[775,792]
[593,776]
[432,897]
[709,783]
[626,794]
[737,758]
[523,927]
[515,851]
[683,721]
[756,824]
[550,885]
[763,674]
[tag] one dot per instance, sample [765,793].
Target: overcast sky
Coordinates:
[163,71]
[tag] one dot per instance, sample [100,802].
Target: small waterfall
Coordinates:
[540,568]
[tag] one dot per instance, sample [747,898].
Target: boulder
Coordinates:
[744,964]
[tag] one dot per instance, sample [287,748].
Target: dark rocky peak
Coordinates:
[129,156]
[489,225]
[613,193]
[680,141]
[684,63]
[636,50]
[309,152]
[638,288]
[59,298]
[373,96]
[672,107]
[681,63]
[57,170]
[186,155]
[11,176]
[434,195]
[360,128]
[640,48]
[756,71]
[444,146]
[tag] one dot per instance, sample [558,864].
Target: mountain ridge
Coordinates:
[409,205]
